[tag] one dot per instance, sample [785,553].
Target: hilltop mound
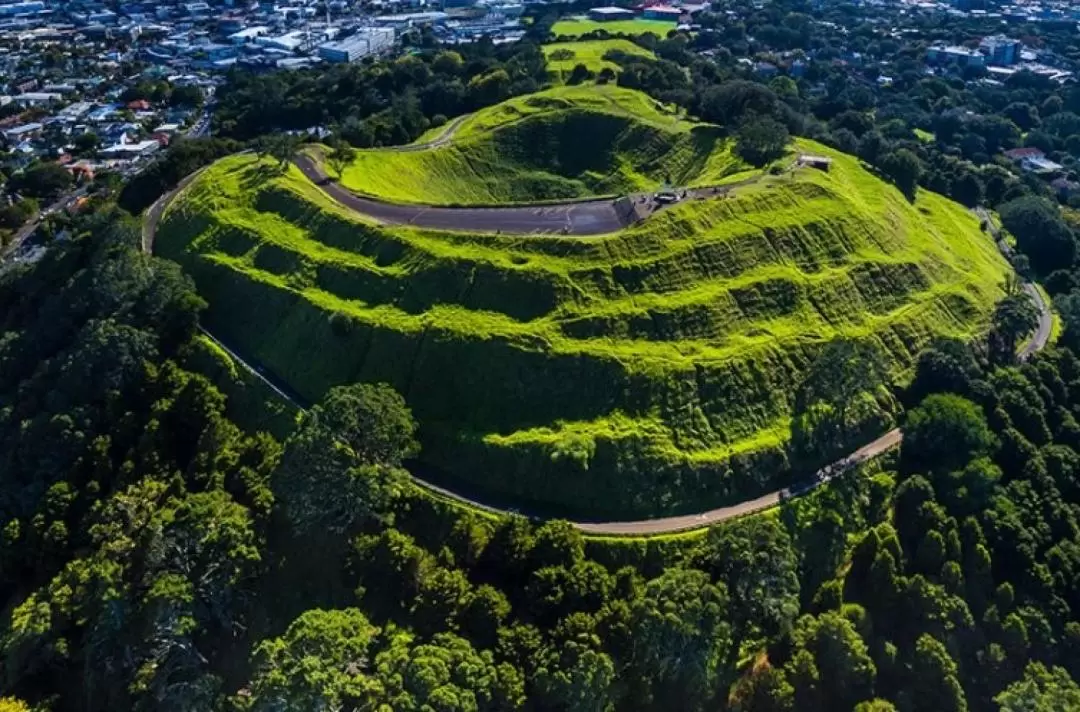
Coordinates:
[562,57]
[564,143]
[649,372]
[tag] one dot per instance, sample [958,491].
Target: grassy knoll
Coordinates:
[567,142]
[578,27]
[590,53]
[648,372]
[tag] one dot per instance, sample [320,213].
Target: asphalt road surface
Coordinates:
[594,217]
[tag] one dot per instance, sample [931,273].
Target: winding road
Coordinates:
[646,527]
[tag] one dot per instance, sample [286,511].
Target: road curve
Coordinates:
[592,217]
[662,525]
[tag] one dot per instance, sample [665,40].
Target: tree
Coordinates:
[44,181]
[763,689]
[760,140]
[448,62]
[1022,114]
[323,661]
[15,215]
[1014,317]
[446,673]
[904,169]
[189,95]
[1041,689]
[945,432]
[678,626]
[755,559]
[579,74]
[934,676]
[737,102]
[1040,232]
[87,143]
[840,657]
[341,155]
[340,467]
[573,673]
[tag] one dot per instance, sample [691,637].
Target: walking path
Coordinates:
[646,527]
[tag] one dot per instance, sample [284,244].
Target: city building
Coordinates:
[610,14]
[249,34]
[1000,50]
[963,56]
[16,9]
[363,43]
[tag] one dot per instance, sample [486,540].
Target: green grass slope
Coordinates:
[578,27]
[644,373]
[563,143]
[590,53]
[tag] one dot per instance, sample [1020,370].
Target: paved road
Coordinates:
[594,217]
[668,525]
[31,226]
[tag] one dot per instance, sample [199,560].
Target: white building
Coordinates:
[248,34]
[363,43]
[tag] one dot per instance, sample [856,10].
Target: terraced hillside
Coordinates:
[567,142]
[642,373]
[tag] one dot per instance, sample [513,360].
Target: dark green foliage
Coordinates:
[904,169]
[42,181]
[760,140]
[1014,317]
[1040,232]
[147,564]
[945,431]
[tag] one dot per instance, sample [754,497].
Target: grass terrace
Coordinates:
[643,373]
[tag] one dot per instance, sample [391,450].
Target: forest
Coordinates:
[157,556]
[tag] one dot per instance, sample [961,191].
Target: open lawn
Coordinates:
[590,53]
[578,27]
[649,372]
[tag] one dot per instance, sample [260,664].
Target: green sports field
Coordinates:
[643,373]
[578,27]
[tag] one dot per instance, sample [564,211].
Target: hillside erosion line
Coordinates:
[473,219]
